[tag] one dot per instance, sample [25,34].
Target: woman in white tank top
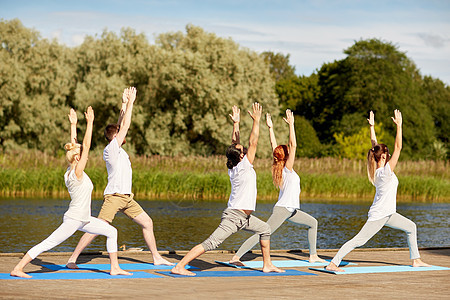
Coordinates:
[288,181]
[380,170]
[78,216]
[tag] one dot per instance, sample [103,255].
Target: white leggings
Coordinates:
[279,215]
[68,228]
[396,221]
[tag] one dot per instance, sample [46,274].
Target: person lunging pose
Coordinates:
[78,216]
[380,170]
[288,205]
[117,195]
[242,201]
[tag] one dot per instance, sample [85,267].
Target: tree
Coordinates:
[376,76]
[279,65]
[35,84]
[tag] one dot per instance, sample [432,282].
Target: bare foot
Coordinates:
[181,271]
[272,268]
[333,267]
[119,272]
[237,263]
[162,261]
[419,263]
[19,273]
[71,265]
[315,258]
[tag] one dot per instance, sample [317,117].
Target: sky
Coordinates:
[312,32]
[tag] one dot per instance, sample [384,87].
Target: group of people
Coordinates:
[237,216]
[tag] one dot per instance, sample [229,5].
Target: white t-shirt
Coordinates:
[289,196]
[243,186]
[119,170]
[384,203]
[80,192]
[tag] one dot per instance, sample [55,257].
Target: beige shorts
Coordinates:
[119,202]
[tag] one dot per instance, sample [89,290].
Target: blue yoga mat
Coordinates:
[79,275]
[279,264]
[381,269]
[250,273]
[95,267]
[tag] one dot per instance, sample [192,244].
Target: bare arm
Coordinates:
[123,109]
[398,139]
[126,122]
[235,117]
[292,139]
[73,125]
[371,121]
[273,140]
[254,135]
[89,114]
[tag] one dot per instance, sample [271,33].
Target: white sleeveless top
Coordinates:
[243,186]
[119,169]
[289,196]
[80,193]
[384,203]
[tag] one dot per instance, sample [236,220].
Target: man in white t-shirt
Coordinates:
[117,195]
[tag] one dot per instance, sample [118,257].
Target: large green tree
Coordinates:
[35,84]
[376,76]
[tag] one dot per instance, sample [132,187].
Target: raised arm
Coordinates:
[131,96]
[273,140]
[398,139]
[292,139]
[254,135]
[373,137]
[235,117]
[89,114]
[73,125]
[123,109]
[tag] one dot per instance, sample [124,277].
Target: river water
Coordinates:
[180,225]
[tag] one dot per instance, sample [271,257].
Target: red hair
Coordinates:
[280,156]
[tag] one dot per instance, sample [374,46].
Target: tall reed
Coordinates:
[35,174]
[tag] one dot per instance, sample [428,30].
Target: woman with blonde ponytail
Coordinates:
[78,216]
[380,170]
[288,205]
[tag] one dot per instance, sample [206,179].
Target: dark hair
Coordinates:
[233,156]
[280,156]
[373,157]
[110,131]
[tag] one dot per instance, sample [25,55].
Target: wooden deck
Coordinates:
[400,285]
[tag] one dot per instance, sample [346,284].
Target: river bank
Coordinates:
[35,174]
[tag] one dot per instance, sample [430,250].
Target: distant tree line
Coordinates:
[188,82]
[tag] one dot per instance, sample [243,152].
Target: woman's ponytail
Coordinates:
[72,150]
[280,156]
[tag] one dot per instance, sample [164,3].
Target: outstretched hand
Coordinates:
[257,111]
[397,117]
[72,116]
[89,114]
[269,121]
[132,94]
[289,117]
[235,116]
[371,119]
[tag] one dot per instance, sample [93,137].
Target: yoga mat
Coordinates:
[79,275]
[381,269]
[130,266]
[280,264]
[250,273]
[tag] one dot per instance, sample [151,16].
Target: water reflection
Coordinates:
[180,225]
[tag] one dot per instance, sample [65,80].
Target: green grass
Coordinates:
[35,174]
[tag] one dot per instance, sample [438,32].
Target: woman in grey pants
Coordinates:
[288,205]
[242,201]
[380,169]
